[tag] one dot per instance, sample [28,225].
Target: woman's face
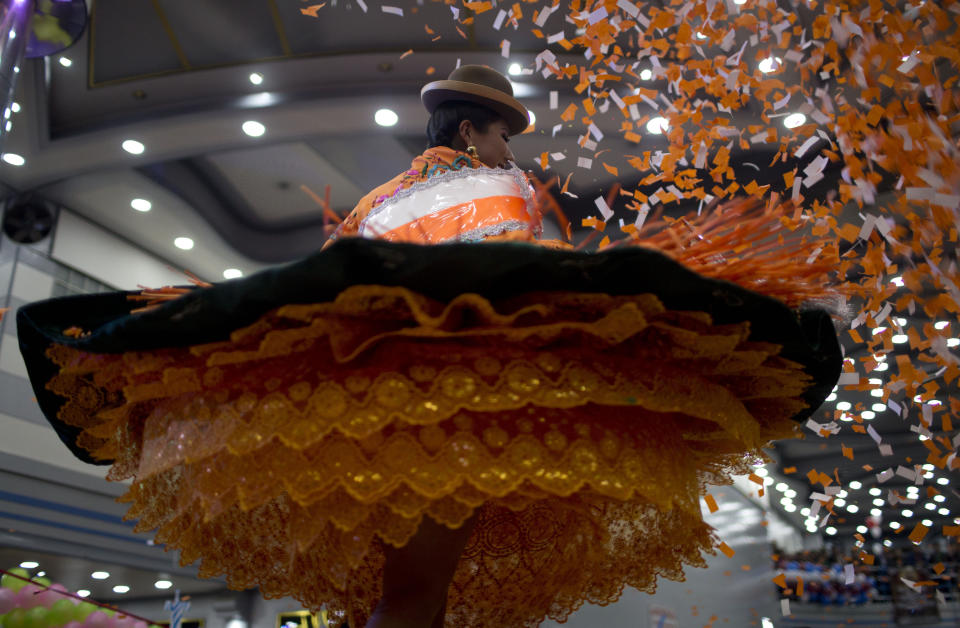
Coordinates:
[491,144]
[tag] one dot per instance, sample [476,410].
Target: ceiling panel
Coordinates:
[269,178]
[128,39]
[219,32]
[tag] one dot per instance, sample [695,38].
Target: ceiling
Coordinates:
[174,75]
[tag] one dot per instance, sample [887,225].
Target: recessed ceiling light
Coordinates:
[853,508]
[843,405]
[878,502]
[937,325]
[658,125]
[232,273]
[782,486]
[875,491]
[514,69]
[121,588]
[928,467]
[646,74]
[876,512]
[700,35]
[953,342]
[141,204]
[862,529]
[883,366]
[762,472]
[930,506]
[794,120]
[939,499]
[790,507]
[832,396]
[944,512]
[855,485]
[533,117]
[8,125]
[14,159]
[65,62]
[897,281]
[163,584]
[29,564]
[943,481]
[907,513]
[770,64]
[253,128]
[887,543]
[894,525]
[830,529]
[83,593]
[183,243]
[133,147]
[879,407]
[256,78]
[900,338]
[927,522]
[839,501]
[100,575]
[868,414]
[386,117]
[16,109]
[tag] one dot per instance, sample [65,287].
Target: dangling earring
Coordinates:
[472,151]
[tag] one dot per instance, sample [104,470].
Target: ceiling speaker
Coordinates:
[28,222]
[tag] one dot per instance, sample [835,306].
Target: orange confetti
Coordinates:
[611,169]
[780,580]
[711,502]
[919,531]
[939,568]
[951,530]
[847,451]
[479,7]
[312,9]
[406,54]
[569,113]
[726,549]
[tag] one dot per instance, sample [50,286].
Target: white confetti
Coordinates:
[848,575]
[392,10]
[605,210]
[553,100]
[595,131]
[557,156]
[597,16]
[583,162]
[363,5]
[800,152]
[543,15]
[501,16]
[505,48]
[848,379]
[785,606]
[556,37]
[628,7]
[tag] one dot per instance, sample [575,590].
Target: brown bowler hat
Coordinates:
[482,85]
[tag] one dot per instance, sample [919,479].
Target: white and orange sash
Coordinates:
[465,205]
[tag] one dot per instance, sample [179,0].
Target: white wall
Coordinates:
[97,252]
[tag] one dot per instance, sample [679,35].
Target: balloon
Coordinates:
[82,610]
[16,584]
[7,603]
[140,624]
[73,624]
[61,612]
[96,619]
[44,582]
[15,619]
[26,598]
[62,589]
[47,598]
[37,618]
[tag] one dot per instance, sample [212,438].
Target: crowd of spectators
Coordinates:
[820,576]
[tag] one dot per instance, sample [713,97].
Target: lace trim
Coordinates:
[580,427]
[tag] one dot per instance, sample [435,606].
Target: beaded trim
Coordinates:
[462,173]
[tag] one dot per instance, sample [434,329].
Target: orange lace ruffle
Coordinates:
[580,427]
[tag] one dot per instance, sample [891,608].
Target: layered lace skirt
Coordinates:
[579,427]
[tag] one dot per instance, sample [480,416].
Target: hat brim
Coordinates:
[509,108]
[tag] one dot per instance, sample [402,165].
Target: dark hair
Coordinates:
[444,124]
